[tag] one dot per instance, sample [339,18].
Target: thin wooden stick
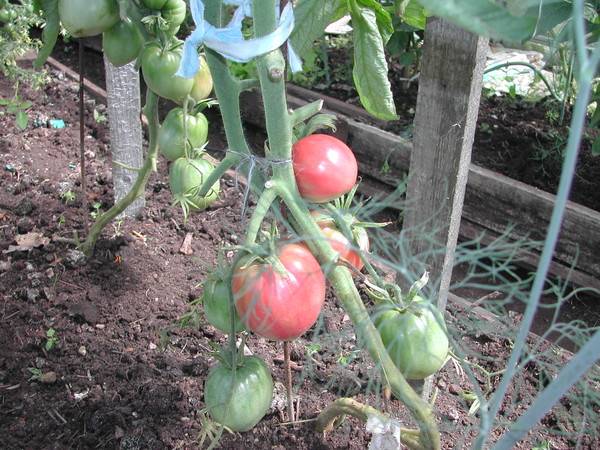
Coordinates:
[82,141]
[288,376]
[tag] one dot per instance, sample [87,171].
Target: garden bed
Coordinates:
[121,372]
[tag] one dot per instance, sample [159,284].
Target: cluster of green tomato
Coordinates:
[123,42]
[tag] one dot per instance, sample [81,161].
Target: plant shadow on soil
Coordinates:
[126,375]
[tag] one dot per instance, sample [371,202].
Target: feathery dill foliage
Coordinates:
[490,269]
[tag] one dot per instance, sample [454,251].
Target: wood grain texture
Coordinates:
[446,116]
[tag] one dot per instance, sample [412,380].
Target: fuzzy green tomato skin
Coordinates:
[186,174]
[171,136]
[122,43]
[239,401]
[154,4]
[417,343]
[173,11]
[82,18]
[217,301]
[159,67]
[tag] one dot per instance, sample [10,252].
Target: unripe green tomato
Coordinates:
[203,83]
[122,43]
[171,136]
[83,18]
[218,305]
[240,399]
[159,67]
[7,15]
[154,4]
[173,11]
[414,338]
[185,175]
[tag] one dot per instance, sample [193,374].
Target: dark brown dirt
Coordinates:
[126,374]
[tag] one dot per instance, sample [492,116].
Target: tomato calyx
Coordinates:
[267,256]
[390,295]
[232,358]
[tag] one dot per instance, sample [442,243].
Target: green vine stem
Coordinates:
[334,413]
[271,68]
[267,197]
[138,188]
[228,90]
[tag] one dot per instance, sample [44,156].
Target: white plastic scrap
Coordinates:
[340,26]
[386,433]
[522,78]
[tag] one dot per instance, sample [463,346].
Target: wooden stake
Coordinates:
[288,376]
[84,201]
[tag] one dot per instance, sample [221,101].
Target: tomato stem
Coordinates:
[265,201]
[151,113]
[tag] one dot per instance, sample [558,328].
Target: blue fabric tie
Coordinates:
[229,41]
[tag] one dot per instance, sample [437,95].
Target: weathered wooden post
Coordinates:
[447,107]
[123,89]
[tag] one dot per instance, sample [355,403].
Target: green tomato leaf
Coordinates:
[384,19]
[596,147]
[414,15]
[513,21]
[50,33]
[311,19]
[21,120]
[370,70]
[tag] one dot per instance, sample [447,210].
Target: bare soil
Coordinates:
[122,372]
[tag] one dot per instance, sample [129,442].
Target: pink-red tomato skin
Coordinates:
[276,305]
[324,166]
[343,246]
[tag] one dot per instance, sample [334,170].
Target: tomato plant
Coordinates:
[217,303]
[83,18]
[171,135]
[325,167]
[122,43]
[413,336]
[185,177]
[159,66]
[280,297]
[239,398]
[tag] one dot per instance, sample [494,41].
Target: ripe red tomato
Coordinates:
[324,166]
[342,245]
[280,302]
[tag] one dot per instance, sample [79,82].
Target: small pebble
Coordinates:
[152,346]
[48,378]
[454,389]
[100,326]
[82,350]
